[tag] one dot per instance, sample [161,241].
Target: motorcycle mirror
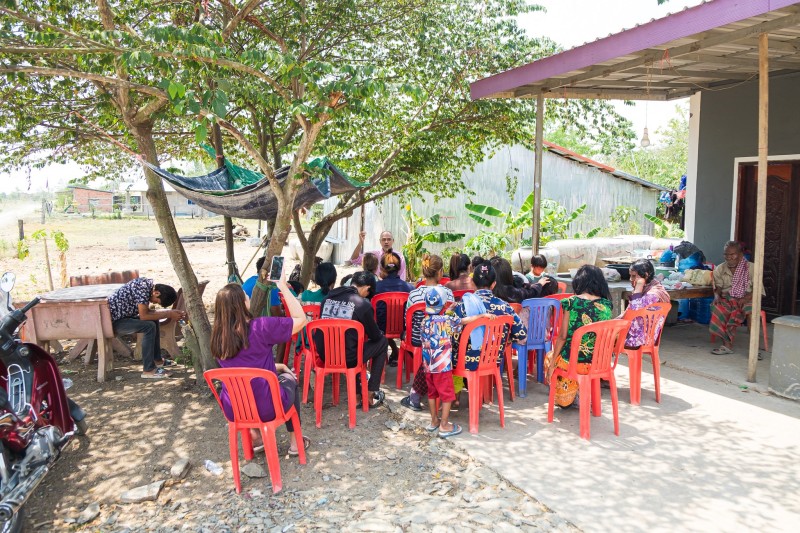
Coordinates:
[7,281]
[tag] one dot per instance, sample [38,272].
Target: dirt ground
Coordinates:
[388,474]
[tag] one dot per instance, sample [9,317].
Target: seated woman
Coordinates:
[483,301]
[240,340]
[325,277]
[460,279]
[432,270]
[591,303]
[508,292]
[647,290]
[390,282]
[733,296]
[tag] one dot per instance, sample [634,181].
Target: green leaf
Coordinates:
[485,209]
[480,220]
[441,237]
[593,233]
[200,133]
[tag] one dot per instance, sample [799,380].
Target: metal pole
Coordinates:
[761,202]
[537,174]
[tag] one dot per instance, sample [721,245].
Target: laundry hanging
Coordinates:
[242,193]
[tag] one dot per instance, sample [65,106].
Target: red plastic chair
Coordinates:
[333,332]
[610,340]
[409,350]
[652,319]
[495,335]
[444,281]
[763,330]
[395,303]
[238,384]
[562,287]
[312,312]
[458,295]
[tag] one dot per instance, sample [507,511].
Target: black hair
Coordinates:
[538,260]
[345,279]
[458,263]
[325,276]
[590,280]
[168,294]
[260,262]
[484,275]
[504,277]
[550,288]
[644,269]
[296,286]
[477,260]
[362,278]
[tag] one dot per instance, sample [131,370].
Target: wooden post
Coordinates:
[21,227]
[229,256]
[761,202]
[44,209]
[537,174]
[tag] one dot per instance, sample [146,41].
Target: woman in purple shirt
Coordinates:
[239,340]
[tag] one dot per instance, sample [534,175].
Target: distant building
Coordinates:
[178,204]
[87,200]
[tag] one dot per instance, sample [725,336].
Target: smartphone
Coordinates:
[276,268]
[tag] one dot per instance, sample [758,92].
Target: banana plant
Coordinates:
[414,247]
[513,224]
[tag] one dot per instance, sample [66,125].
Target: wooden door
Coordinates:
[780,233]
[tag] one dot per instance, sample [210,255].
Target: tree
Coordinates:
[665,163]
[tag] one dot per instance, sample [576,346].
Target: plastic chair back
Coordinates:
[609,342]
[562,287]
[495,336]
[458,295]
[312,311]
[444,280]
[543,317]
[238,384]
[333,332]
[395,303]
[416,308]
[560,296]
[652,318]
[419,284]
[516,307]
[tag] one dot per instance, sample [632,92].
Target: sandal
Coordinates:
[167,363]
[722,350]
[431,428]
[452,433]
[306,444]
[378,399]
[406,402]
[159,373]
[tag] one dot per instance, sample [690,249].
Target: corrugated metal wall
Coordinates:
[568,182]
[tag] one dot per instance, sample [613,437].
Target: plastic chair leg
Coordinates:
[510,376]
[522,377]
[764,330]
[273,463]
[551,400]
[540,366]
[596,407]
[656,372]
[247,445]
[498,379]
[308,364]
[351,398]
[585,400]
[401,363]
[319,384]
[233,444]
[474,385]
[364,391]
[635,375]
[614,403]
[336,389]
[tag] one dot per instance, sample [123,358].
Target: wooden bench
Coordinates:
[167,327]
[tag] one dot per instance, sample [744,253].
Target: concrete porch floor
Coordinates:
[712,456]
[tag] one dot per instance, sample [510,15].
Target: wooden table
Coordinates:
[76,313]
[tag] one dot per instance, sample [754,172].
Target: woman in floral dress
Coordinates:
[591,303]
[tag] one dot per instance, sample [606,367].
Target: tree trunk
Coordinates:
[280,232]
[310,248]
[175,250]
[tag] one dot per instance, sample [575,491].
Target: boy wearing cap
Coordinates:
[437,355]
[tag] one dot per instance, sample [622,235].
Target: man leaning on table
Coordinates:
[131,313]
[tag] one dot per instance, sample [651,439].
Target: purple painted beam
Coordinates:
[690,21]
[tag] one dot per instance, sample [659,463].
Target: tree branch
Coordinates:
[67,73]
[298,228]
[239,17]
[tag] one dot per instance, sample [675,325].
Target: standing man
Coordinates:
[387,242]
[733,294]
[131,313]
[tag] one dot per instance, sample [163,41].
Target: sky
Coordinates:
[568,22]
[572,23]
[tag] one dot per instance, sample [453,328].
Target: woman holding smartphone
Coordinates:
[240,340]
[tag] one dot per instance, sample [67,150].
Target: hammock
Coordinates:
[241,193]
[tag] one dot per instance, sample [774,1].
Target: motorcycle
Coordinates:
[37,420]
